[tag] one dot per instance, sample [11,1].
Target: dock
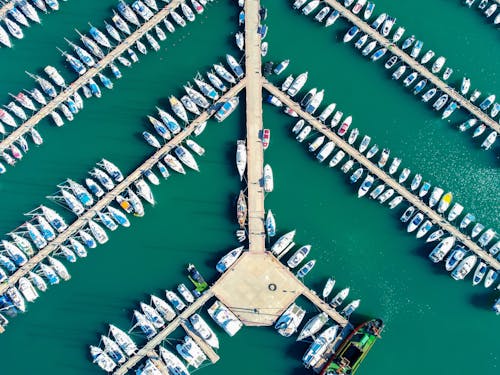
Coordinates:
[255,151]
[5,8]
[148,349]
[91,72]
[207,349]
[412,63]
[383,176]
[111,195]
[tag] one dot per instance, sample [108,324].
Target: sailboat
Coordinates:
[241,210]
[241,157]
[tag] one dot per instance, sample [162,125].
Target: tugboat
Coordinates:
[354,349]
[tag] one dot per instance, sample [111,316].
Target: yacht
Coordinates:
[327,289]
[27,290]
[361,41]
[339,298]
[98,233]
[325,151]
[191,352]
[174,164]
[416,49]
[455,211]
[163,308]
[332,18]
[152,315]
[327,112]
[364,143]
[377,191]
[480,272]
[396,201]
[38,281]
[236,67]
[486,237]
[424,189]
[299,256]
[378,21]
[145,325]
[427,56]
[347,166]
[204,331]
[358,6]
[23,244]
[405,173]
[419,86]
[399,72]
[49,274]
[351,33]
[107,220]
[103,178]
[436,194]
[226,109]
[144,191]
[387,25]
[438,64]
[228,260]
[45,228]
[356,175]
[54,219]
[442,249]
[178,108]
[398,34]
[350,308]
[225,318]
[407,214]
[429,94]
[311,6]
[391,62]
[322,14]
[94,187]
[369,48]
[476,230]
[112,349]
[186,157]
[81,193]
[444,203]
[464,268]
[336,119]
[410,79]
[378,54]
[78,248]
[455,257]
[290,320]
[489,140]
[316,350]
[36,237]
[415,222]
[345,126]
[174,364]
[297,84]
[175,300]
[475,95]
[386,195]
[353,135]
[103,360]
[452,106]
[315,102]
[313,326]
[281,67]
[384,156]
[415,183]
[268,179]
[368,10]
[123,340]
[282,243]
[270,224]
[365,186]
[490,278]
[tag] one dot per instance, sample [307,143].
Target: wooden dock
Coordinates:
[383,176]
[110,196]
[83,79]
[148,349]
[415,65]
[6,7]
[207,349]
[255,152]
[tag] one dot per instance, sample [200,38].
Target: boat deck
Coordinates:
[255,152]
[91,72]
[258,289]
[207,349]
[415,65]
[110,196]
[383,176]
[148,349]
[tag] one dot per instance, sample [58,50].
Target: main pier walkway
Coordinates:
[422,70]
[6,7]
[91,72]
[110,196]
[148,349]
[380,174]
[255,152]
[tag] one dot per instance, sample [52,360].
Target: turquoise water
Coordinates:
[431,320]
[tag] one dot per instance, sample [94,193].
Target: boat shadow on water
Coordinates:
[483,300]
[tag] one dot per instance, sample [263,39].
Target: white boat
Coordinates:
[438,64]
[339,297]
[489,140]
[186,157]
[144,191]
[486,237]
[332,18]
[384,156]
[225,318]
[54,219]
[290,320]
[445,202]
[436,194]
[152,315]
[313,326]
[415,222]
[316,350]
[476,230]
[270,224]
[175,300]
[123,340]
[325,151]
[358,6]
[395,202]
[204,331]
[174,164]
[268,179]
[103,178]
[163,308]
[353,135]
[112,349]
[60,269]
[282,243]
[326,112]
[241,157]
[454,258]
[424,189]
[405,173]
[174,364]
[369,48]
[297,84]
[464,268]
[310,7]
[350,308]
[377,191]
[468,218]
[103,360]
[480,272]
[27,290]
[442,249]
[364,143]
[365,186]
[98,232]
[490,278]
[378,21]
[399,72]
[336,119]
[386,195]
[455,211]
[298,256]
[228,260]
[78,247]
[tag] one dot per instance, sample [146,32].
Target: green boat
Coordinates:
[354,349]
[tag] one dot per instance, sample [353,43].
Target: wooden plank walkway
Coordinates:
[415,65]
[110,196]
[207,349]
[83,79]
[5,8]
[163,334]
[255,152]
[380,174]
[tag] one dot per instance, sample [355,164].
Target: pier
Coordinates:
[111,195]
[5,8]
[148,349]
[255,151]
[412,63]
[207,349]
[91,72]
[383,176]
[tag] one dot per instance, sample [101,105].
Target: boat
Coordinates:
[365,186]
[226,109]
[384,156]
[345,126]
[163,308]
[350,308]
[174,164]
[38,281]
[480,272]
[145,325]
[127,12]
[98,232]
[442,249]
[297,84]
[317,349]
[416,49]
[228,260]
[364,143]
[378,21]
[356,175]
[235,66]
[339,297]
[378,54]
[152,315]
[59,268]
[489,140]
[358,6]
[204,330]
[332,18]
[174,364]
[490,10]
[14,28]
[386,195]
[282,243]
[408,42]
[325,151]
[436,194]
[361,41]
[468,218]
[169,121]
[464,267]
[54,219]
[152,42]
[410,79]
[405,173]
[313,326]
[399,72]
[486,237]
[490,278]
[398,34]
[444,203]
[407,214]
[438,64]
[241,210]
[123,340]
[391,62]
[455,257]
[368,10]
[495,110]
[144,191]
[280,68]
[387,25]
[427,56]
[310,7]
[369,48]
[315,102]
[455,211]
[268,179]
[186,157]
[49,273]
[178,108]
[424,189]
[353,135]
[14,253]
[224,318]
[36,237]
[415,222]
[347,166]
[142,10]
[420,86]
[477,229]
[103,360]
[351,33]
[396,201]
[103,178]
[112,349]
[377,191]
[185,293]
[290,320]
[175,300]
[353,350]
[298,256]
[23,244]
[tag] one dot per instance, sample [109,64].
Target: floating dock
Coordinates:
[91,72]
[148,349]
[110,196]
[255,151]
[421,69]
[383,176]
